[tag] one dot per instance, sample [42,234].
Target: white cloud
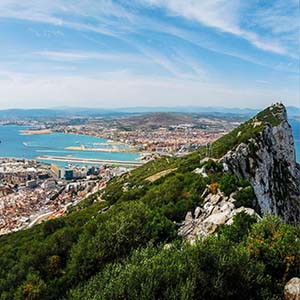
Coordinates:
[279,19]
[110,18]
[203,42]
[187,76]
[125,89]
[69,13]
[65,56]
[177,65]
[223,15]
[220,14]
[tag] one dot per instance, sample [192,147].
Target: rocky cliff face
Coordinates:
[264,154]
[268,161]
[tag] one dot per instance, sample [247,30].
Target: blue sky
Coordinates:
[102,53]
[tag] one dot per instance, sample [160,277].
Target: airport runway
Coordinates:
[91,160]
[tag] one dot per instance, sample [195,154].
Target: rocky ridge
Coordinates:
[217,210]
[268,161]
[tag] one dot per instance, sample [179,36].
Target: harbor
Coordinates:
[83,147]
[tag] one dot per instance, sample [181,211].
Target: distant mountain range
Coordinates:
[294,112]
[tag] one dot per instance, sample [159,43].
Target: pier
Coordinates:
[91,161]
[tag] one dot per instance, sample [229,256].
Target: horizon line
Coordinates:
[138,107]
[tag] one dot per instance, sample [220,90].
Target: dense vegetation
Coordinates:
[244,261]
[126,246]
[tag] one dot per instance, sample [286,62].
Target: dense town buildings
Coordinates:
[31,192]
[182,138]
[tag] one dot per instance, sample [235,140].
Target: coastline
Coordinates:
[18,142]
[108,142]
[35,132]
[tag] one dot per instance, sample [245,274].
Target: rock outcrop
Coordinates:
[262,151]
[292,289]
[217,210]
[268,162]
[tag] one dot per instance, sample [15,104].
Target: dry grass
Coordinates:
[160,175]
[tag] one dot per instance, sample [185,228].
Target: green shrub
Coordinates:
[277,246]
[211,269]
[228,184]
[247,198]
[240,228]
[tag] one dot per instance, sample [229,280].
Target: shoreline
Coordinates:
[114,143]
[36,132]
[17,147]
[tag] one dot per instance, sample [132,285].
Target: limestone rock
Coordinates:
[189,217]
[219,218]
[201,171]
[216,211]
[214,199]
[197,212]
[268,162]
[292,289]
[205,193]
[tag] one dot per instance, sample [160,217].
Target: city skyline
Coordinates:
[148,53]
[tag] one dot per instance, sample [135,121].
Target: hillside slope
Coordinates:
[128,246]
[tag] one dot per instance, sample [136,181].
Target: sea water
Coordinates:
[296,133]
[14,144]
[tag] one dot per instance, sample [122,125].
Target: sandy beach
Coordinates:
[36,132]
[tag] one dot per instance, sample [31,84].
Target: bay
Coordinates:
[13,144]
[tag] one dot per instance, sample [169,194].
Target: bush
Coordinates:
[277,246]
[228,184]
[109,235]
[240,228]
[247,198]
[211,269]
[33,289]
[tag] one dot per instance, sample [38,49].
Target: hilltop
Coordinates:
[133,243]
